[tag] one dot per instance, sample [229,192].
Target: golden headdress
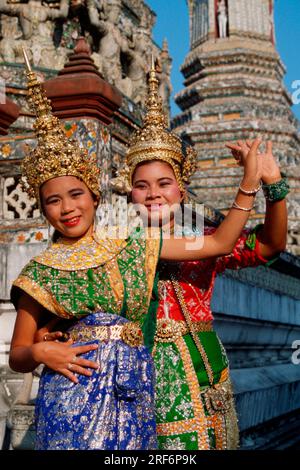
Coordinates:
[155,142]
[55,155]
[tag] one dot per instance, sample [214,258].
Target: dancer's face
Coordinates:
[69,206]
[154,185]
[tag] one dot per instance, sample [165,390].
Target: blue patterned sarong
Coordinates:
[111,410]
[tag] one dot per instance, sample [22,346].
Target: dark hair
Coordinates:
[56,235]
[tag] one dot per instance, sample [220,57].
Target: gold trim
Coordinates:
[151,258]
[231,422]
[201,422]
[130,333]
[181,300]
[115,281]
[224,375]
[167,330]
[178,427]
[86,253]
[42,296]
[225,424]
[216,422]
[192,380]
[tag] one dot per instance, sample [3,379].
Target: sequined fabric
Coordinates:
[112,409]
[121,285]
[184,420]
[87,252]
[197,278]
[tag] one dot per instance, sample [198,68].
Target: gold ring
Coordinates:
[70,366]
[45,337]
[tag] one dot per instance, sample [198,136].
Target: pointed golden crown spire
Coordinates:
[155,142]
[55,155]
[155,114]
[40,105]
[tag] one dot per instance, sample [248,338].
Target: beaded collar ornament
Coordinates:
[155,142]
[55,155]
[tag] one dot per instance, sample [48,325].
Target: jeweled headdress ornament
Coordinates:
[155,142]
[55,155]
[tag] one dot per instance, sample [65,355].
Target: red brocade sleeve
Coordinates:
[246,253]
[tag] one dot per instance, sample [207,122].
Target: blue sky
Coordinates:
[173,23]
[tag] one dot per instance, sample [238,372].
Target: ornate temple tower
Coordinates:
[234,90]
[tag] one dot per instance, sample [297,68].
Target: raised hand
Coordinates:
[270,171]
[249,157]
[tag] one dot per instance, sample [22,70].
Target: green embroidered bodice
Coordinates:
[108,275]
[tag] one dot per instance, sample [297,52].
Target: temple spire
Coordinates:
[234,90]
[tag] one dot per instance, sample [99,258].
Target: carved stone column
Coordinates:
[21,421]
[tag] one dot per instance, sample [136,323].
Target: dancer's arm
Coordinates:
[225,237]
[25,355]
[273,234]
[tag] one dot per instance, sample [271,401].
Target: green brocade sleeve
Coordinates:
[28,282]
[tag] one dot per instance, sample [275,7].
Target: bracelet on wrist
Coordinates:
[252,192]
[276,191]
[245,209]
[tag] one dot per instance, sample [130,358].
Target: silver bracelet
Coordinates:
[252,192]
[236,206]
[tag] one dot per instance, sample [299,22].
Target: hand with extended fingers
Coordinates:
[249,157]
[65,358]
[62,356]
[270,172]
